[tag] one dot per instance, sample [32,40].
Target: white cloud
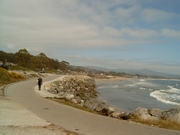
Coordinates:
[140,33]
[155,15]
[75,23]
[171,33]
[51,25]
[124,15]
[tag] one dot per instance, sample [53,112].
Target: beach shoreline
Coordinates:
[111,78]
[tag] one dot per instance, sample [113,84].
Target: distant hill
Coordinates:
[147,72]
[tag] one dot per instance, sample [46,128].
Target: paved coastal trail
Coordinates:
[72,119]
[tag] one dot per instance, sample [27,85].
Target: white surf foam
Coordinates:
[169,96]
[141,88]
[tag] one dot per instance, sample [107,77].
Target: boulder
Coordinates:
[104,109]
[92,107]
[62,95]
[74,101]
[87,103]
[115,114]
[58,89]
[110,110]
[118,114]
[173,114]
[81,103]
[78,99]
[52,90]
[155,112]
[141,113]
[69,96]
[98,109]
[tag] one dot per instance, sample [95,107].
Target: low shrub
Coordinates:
[16,67]
[16,76]
[7,77]
[4,75]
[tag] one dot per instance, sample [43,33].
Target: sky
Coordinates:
[116,34]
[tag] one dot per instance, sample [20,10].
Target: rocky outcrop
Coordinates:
[173,115]
[155,112]
[142,113]
[81,90]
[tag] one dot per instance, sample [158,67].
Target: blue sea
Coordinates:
[126,95]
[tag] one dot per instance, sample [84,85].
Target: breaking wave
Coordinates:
[169,96]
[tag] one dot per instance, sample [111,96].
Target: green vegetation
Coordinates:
[17,67]
[4,76]
[9,77]
[24,60]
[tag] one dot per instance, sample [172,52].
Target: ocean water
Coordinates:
[129,94]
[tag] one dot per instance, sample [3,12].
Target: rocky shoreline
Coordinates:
[81,90]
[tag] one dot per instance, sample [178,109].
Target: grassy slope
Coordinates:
[9,77]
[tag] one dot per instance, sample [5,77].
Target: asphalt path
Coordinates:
[74,119]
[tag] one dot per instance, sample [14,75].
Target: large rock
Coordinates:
[81,103]
[110,110]
[78,99]
[104,109]
[69,96]
[62,95]
[87,103]
[155,112]
[116,114]
[92,107]
[172,114]
[119,114]
[74,101]
[141,113]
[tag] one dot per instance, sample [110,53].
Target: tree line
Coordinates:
[25,59]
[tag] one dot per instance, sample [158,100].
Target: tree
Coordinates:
[63,65]
[37,63]
[23,57]
[9,57]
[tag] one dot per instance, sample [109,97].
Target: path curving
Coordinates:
[74,119]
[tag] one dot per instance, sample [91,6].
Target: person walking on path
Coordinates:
[39,82]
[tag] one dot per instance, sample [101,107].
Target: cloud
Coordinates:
[140,33]
[54,27]
[155,15]
[76,24]
[170,33]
